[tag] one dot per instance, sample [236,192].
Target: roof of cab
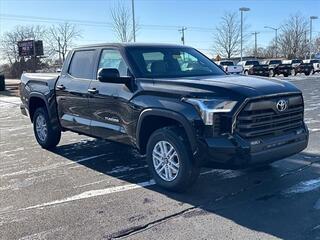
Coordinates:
[132,45]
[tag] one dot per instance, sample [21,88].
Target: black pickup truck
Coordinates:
[276,67]
[170,102]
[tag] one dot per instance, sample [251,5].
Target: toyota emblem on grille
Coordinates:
[282,105]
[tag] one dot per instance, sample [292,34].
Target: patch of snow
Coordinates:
[305,186]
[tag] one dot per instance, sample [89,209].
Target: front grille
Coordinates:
[262,118]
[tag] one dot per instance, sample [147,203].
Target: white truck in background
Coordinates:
[230,67]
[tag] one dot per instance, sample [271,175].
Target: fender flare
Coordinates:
[39,95]
[172,115]
[51,108]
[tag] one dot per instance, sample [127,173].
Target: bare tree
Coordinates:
[122,22]
[317,45]
[228,36]
[10,39]
[293,38]
[61,38]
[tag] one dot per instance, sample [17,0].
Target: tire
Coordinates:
[307,73]
[53,133]
[271,73]
[185,174]
[2,83]
[285,74]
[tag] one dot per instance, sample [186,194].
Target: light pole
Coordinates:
[310,41]
[182,34]
[255,44]
[242,9]
[133,21]
[276,31]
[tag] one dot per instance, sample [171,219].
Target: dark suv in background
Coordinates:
[276,67]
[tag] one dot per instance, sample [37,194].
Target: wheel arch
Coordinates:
[36,100]
[163,118]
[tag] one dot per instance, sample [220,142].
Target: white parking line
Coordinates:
[106,191]
[50,167]
[95,193]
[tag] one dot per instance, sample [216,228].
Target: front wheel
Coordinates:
[307,73]
[47,135]
[285,74]
[271,73]
[170,159]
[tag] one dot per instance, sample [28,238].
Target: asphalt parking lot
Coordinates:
[93,189]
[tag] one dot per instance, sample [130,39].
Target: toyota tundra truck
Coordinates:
[170,102]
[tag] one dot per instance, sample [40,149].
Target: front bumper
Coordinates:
[24,110]
[260,73]
[283,71]
[234,152]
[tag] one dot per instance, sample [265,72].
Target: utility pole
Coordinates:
[310,41]
[255,44]
[133,21]
[59,51]
[276,32]
[182,34]
[242,9]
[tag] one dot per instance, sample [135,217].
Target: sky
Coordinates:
[159,19]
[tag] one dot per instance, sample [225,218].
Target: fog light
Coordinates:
[256,142]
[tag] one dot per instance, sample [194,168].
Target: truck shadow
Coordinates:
[252,198]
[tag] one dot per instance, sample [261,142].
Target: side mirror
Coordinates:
[111,75]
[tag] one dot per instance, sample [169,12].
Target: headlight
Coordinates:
[208,107]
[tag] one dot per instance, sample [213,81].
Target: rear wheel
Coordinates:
[285,74]
[170,160]
[47,135]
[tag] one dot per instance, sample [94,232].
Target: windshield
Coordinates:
[228,63]
[161,62]
[275,62]
[296,61]
[254,63]
[315,61]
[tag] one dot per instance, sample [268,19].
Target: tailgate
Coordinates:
[234,69]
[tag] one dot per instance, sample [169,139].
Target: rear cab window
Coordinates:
[81,65]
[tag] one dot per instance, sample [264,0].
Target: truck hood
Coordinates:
[224,86]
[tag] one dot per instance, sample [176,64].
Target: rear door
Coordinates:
[109,102]
[72,91]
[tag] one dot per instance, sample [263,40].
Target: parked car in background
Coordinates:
[259,70]
[305,68]
[294,62]
[2,82]
[246,65]
[315,65]
[170,102]
[276,67]
[230,67]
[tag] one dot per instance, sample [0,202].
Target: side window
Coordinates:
[151,57]
[111,58]
[81,65]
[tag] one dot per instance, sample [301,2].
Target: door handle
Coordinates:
[93,90]
[61,87]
